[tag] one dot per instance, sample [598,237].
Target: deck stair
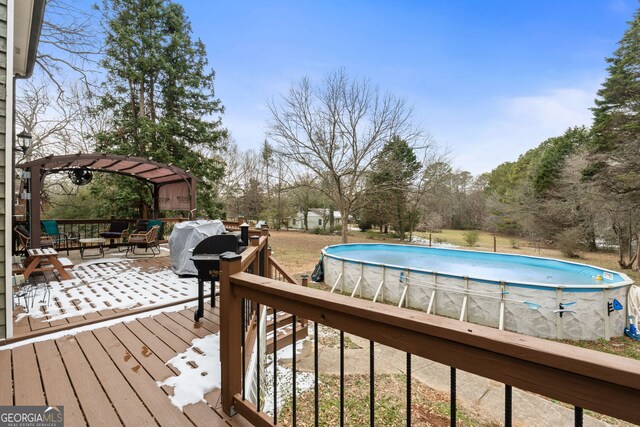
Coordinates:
[284,321]
[285,335]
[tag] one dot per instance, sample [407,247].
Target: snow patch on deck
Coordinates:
[199,368]
[111,284]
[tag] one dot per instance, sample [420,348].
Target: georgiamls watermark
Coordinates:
[31,416]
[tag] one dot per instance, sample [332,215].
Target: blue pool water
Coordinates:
[478,265]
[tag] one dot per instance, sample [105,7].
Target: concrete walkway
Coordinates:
[474,392]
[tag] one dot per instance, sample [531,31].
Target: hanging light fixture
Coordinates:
[24,141]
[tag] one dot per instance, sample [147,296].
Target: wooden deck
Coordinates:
[107,376]
[29,326]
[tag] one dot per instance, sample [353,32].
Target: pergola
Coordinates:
[173,188]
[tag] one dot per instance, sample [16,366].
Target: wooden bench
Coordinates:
[46,259]
[66,262]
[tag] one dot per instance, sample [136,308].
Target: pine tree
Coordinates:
[391,180]
[160,92]
[615,154]
[616,147]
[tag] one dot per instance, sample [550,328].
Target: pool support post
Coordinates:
[501,321]
[463,311]
[432,300]
[379,290]
[607,316]
[404,291]
[559,330]
[357,286]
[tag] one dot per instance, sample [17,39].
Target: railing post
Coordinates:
[230,332]
[244,233]
[265,265]
[305,283]
[267,261]
[255,267]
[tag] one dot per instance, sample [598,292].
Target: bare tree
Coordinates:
[41,116]
[305,196]
[58,125]
[336,131]
[69,43]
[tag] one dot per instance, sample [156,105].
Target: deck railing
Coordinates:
[583,378]
[91,228]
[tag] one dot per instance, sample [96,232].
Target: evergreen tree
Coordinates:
[615,154]
[616,147]
[160,93]
[391,180]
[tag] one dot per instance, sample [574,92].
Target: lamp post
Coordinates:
[24,141]
[23,144]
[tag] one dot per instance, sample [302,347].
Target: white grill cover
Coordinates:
[184,237]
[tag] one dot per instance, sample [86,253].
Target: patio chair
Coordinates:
[148,240]
[50,227]
[21,289]
[158,222]
[118,230]
[25,239]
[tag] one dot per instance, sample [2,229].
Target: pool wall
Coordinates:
[523,308]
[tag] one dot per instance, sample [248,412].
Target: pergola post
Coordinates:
[192,191]
[34,204]
[156,201]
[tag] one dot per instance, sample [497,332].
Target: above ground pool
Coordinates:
[532,295]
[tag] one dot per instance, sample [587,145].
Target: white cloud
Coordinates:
[521,123]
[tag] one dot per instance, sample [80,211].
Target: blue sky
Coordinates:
[487,79]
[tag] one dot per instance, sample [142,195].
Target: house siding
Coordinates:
[4,79]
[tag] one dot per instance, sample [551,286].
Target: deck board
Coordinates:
[178,345]
[57,388]
[94,402]
[189,325]
[153,343]
[6,380]
[26,377]
[176,329]
[198,413]
[139,379]
[126,403]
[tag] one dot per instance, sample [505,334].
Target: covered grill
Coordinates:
[206,258]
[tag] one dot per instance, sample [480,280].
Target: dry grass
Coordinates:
[299,252]
[428,407]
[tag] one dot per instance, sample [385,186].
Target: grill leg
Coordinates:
[200,311]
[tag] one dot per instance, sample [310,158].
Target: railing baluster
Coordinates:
[258,408]
[341,378]
[243,327]
[508,399]
[275,367]
[295,382]
[578,416]
[453,397]
[316,402]
[372,385]
[408,389]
